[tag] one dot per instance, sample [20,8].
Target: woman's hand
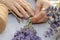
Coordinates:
[40,12]
[40,17]
[20,7]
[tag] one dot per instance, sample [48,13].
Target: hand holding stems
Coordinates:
[40,17]
[40,12]
[19,7]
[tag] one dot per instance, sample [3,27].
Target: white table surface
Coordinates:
[13,26]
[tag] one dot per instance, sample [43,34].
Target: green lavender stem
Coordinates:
[29,23]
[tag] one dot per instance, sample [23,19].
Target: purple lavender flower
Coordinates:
[26,34]
[55,12]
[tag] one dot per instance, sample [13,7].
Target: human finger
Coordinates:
[24,13]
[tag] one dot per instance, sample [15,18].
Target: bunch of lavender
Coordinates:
[53,14]
[27,33]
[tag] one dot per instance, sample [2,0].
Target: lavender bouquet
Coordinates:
[27,33]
